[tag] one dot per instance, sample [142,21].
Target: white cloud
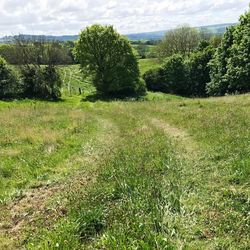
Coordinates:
[128,16]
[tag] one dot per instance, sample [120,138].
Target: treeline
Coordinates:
[182,39]
[63,51]
[35,74]
[194,67]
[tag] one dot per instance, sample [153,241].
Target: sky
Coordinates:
[68,17]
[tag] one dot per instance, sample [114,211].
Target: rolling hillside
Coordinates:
[168,173]
[157,35]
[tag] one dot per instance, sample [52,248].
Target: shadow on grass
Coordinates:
[9,100]
[95,97]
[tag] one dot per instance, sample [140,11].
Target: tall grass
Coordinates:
[171,173]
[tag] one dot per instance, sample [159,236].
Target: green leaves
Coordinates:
[109,58]
[9,85]
[230,68]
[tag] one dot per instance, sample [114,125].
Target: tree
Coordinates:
[39,81]
[218,65]
[155,80]
[9,85]
[238,71]
[230,67]
[142,50]
[108,58]
[198,69]
[181,40]
[175,75]
[7,51]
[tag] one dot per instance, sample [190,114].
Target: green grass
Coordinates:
[73,80]
[147,64]
[163,172]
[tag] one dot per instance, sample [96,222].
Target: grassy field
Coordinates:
[72,78]
[147,64]
[162,173]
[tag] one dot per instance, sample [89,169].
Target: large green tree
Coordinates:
[230,67]
[108,57]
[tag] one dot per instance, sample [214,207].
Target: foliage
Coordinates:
[230,67]
[155,80]
[175,74]
[171,77]
[198,70]
[9,84]
[37,51]
[181,40]
[8,52]
[109,58]
[38,80]
[182,76]
[142,50]
[44,83]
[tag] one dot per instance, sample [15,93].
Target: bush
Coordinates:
[180,76]
[175,75]
[230,67]
[109,58]
[9,84]
[170,78]
[44,83]
[198,70]
[155,81]
[8,52]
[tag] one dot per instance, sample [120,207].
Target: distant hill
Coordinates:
[48,38]
[156,35]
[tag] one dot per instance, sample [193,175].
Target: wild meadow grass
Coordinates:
[170,173]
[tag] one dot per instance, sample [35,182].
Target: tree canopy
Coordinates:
[9,85]
[230,67]
[181,40]
[108,57]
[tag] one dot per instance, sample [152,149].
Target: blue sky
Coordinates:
[128,16]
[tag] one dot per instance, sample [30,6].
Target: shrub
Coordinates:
[44,83]
[155,81]
[175,75]
[171,78]
[198,70]
[9,84]
[109,58]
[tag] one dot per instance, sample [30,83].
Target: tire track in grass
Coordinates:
[180,184]
[185,140]
[33,206]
